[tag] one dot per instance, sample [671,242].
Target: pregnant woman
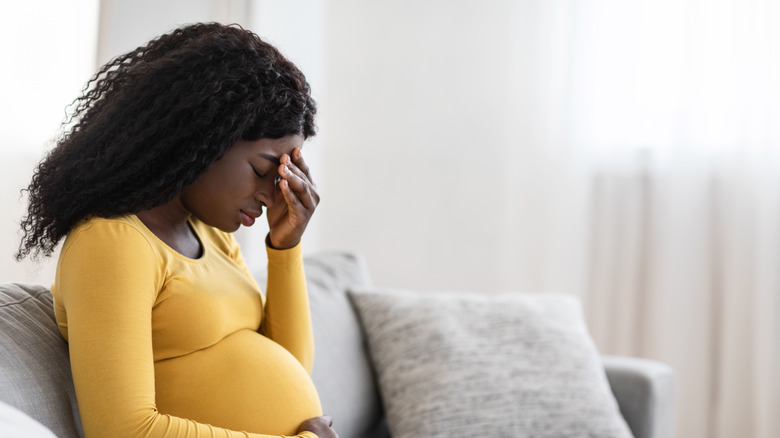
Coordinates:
[170,149]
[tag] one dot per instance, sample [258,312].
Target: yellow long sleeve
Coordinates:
[162,345]
[285,273]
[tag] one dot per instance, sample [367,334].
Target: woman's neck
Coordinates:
[169,222]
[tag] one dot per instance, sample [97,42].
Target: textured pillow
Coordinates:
[467,364]
[34,367]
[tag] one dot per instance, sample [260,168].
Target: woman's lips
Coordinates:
[247,220]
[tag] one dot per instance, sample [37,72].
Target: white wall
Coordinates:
[125,25]
[443,154]
[48,51]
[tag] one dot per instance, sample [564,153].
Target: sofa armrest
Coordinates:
[645,391]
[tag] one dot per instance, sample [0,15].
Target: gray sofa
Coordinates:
[35,372]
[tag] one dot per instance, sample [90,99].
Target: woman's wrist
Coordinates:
[271,247]
[280,246]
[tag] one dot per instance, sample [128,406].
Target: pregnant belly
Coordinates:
[246,382]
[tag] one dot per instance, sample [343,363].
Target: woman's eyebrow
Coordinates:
[270,158]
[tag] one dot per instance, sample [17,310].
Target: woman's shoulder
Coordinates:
[110,251]
[97,225]
[118,232]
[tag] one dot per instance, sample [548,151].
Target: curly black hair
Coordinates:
[152,120]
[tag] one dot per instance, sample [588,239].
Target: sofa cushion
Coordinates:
[34,368]
[469,364]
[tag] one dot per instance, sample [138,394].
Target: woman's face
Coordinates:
[234,189]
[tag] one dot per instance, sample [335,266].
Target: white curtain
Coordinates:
[678,104]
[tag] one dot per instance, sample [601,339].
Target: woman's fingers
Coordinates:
[297,166]
[290,218]
[321,426]
[299,183]
[293,201]
[301,164]
[302,189]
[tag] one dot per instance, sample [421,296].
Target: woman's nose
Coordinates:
[266,192]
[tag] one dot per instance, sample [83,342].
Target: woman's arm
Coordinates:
[287,318]
[108,292]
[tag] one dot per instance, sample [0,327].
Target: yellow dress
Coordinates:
[164,345]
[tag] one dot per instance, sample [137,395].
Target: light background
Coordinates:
[624,151]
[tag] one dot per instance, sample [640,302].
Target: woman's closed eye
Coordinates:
[259,175]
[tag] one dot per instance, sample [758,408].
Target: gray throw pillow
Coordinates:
[455,364]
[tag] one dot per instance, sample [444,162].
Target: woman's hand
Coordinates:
[296,199]
[320,426]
